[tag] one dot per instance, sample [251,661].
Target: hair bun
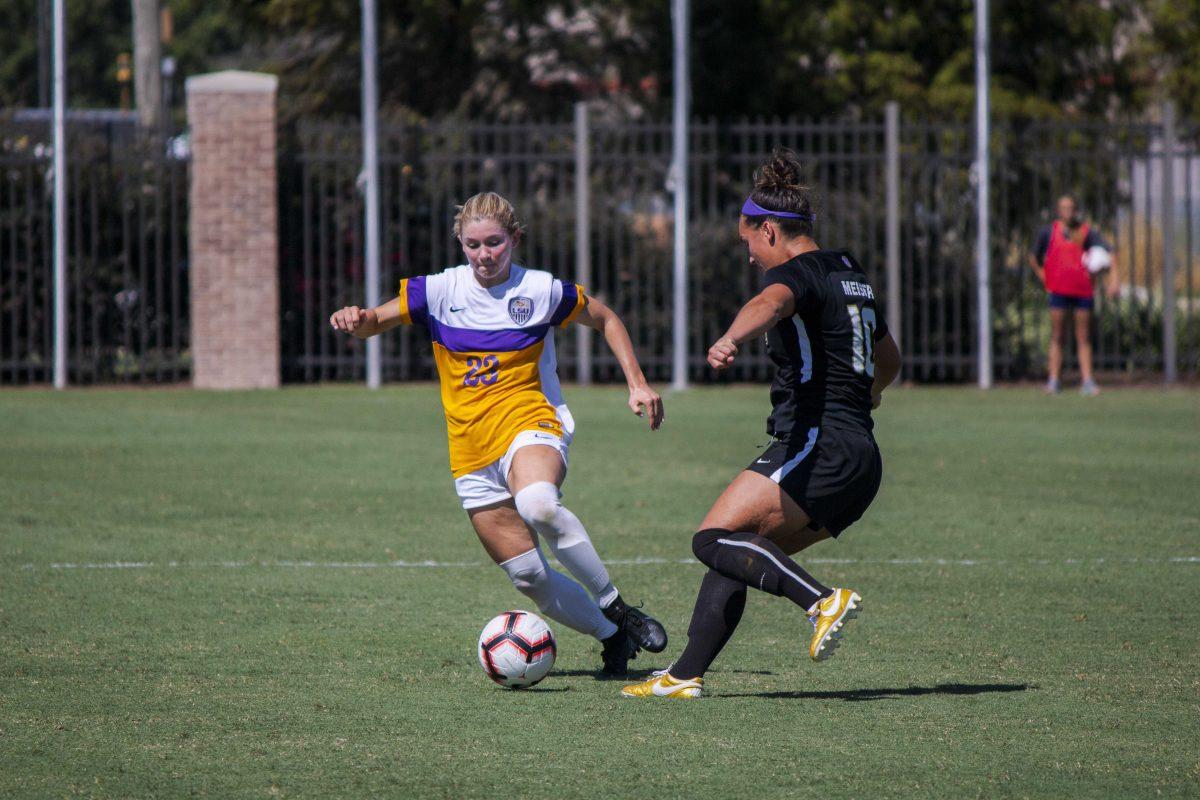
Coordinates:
[781,174]
[778,186]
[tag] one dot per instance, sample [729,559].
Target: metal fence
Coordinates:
[1114,170]
[128,300]
[1117,174]
[127,256]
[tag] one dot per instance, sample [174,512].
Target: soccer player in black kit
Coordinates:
[833,357]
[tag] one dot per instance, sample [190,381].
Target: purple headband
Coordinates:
[753,209]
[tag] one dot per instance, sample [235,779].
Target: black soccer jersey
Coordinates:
[824,354]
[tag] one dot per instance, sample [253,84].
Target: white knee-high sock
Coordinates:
[538,505]
[557,596]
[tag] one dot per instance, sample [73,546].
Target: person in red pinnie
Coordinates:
[1060,260]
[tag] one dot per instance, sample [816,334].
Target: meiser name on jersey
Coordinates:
[824,353]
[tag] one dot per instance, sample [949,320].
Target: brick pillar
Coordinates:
[234,231]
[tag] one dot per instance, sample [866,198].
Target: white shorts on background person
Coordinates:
[488,485]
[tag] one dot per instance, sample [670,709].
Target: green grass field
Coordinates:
[207,594]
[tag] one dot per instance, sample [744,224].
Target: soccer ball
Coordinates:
[516,649]
[1097,259]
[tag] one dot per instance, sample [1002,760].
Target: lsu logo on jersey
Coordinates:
[520,309]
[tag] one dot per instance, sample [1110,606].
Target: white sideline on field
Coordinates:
[937,562]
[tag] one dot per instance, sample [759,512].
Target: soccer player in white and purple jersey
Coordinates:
[492,322]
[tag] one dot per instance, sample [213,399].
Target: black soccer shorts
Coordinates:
[833,474]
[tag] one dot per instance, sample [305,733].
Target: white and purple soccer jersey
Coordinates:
[494,350]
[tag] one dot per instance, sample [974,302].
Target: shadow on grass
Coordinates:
[858,695]
[632,675]
[640,674]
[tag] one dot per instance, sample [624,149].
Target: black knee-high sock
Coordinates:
[718,611]
[759,563]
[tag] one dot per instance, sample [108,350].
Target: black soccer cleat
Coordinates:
[647,632]
[617,651]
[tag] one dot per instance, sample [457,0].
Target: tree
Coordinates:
[96,33]
[1172,50]
[504,58]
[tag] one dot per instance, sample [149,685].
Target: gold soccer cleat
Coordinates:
[831,614]
[661,684]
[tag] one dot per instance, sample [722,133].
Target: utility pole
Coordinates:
[147,63]
[60,195]
[370,174]
[681,20]
[583,236]
[892,229]
[983,249]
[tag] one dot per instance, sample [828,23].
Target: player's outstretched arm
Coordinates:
[362,323]
[887,367]
[643,400]
[756,317]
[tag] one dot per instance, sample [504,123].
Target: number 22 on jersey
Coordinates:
[862,323]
